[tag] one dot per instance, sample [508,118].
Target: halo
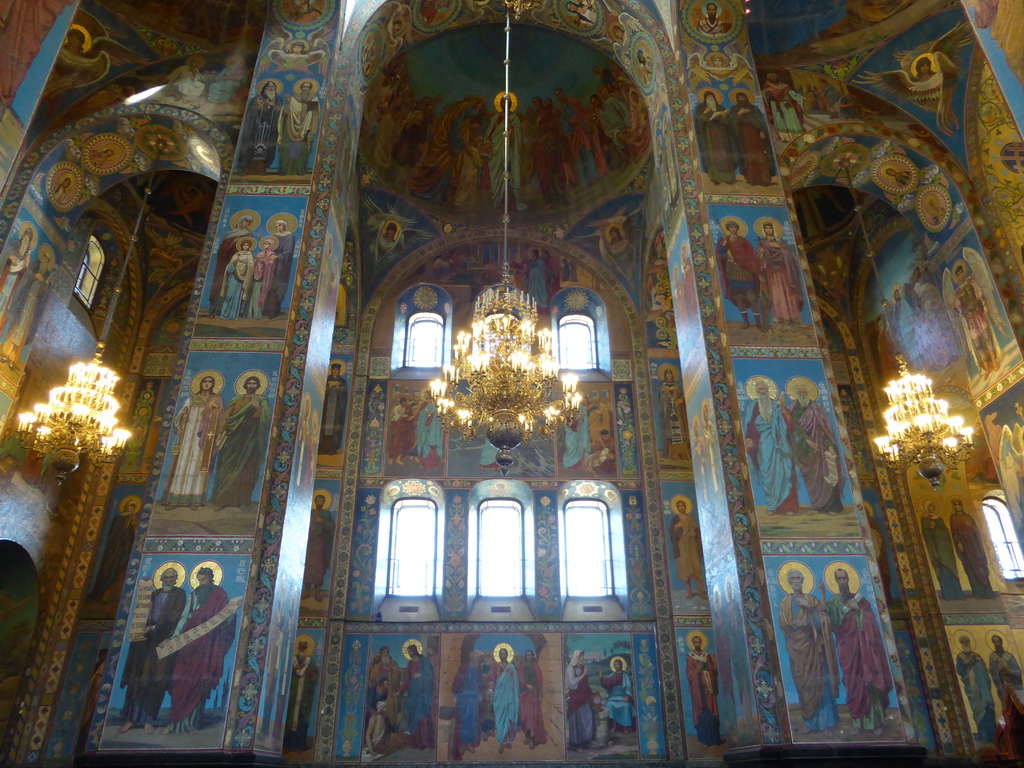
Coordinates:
[322,492]
[218,381]
[247,212]
[255,372]
[830,576]
[273,240]
[263,84]
[213,565]
[687,503]
[342,363]
[313,84]
[896,287]
[668,367]
[297,41]
[27,228]
[1002,633]
[703,94]
[959,263]
[737,91]
[290,222]
[411,641]
[930,58]
[759,225]
[513,99]
[507,647]
[753,381]
[742,231]
[795,565]
[309,641]
[175,566]
[240,244]
[696,633]
[964,633]
[125,500]
[87,42]
[613,659]
[791,385]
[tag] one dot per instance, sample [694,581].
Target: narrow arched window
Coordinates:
[577,343]
[424,341]
[90,271]
[587,538]
[1004,538]
[500,548]
[413,551]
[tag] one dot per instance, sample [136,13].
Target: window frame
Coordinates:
[587,322]
[521,559]
[393,561]
[421,318]
[1005,540]
[86,270]
[608,588]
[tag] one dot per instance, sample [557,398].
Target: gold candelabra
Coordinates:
[919,429]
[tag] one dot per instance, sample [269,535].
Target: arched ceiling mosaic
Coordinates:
[432,132]
[208,22]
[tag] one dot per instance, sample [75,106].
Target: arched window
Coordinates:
[588,549]
[577,343]
[500,548]
[412,560]
[579,321]
[424,341]
[1004,537]
[422,336]
[89,274]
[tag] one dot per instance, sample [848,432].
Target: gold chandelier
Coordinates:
[497,377]
[920,430]
[80,418]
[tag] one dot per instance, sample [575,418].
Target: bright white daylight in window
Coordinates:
[1004,538]
[588,549]
[89,275]
[500,550]
[577,342]
[424,342]
[413,555]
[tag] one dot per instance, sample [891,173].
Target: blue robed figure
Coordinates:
[767,429]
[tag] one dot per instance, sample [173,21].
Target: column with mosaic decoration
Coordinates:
[792,581]
[212,600]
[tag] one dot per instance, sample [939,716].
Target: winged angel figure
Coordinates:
[928,76]
[1011,464]
[967,290]
[392,232]
[717,66]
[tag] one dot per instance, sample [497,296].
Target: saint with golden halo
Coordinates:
[807,584]
[698,635]
[753,381]
[170,565]
[511,654]
[242,443]
[212,565]
[851,572]
[412,642]
[215,385]
[794,385]
[621,660]
[196,433]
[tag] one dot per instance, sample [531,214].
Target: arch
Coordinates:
[19,609]
[520,493]
[584,303]
[609,498]
[428,305]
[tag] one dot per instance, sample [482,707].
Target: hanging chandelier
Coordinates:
[80,417]
[504,371]
[919,430]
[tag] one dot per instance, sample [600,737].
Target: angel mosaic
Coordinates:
[928,76]
[392,232]
[298,54]
[967,290]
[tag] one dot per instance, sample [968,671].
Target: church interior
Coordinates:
[743,227]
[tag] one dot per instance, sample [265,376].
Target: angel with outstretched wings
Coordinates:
[84,60]
[297,54]
[928,75]
[392,232]
[968,290]
[1011,465]
[717,66]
